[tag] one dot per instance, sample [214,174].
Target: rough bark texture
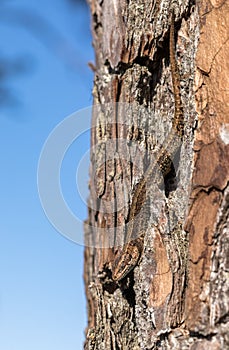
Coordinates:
[177,296]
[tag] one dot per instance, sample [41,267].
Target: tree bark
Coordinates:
[177,295]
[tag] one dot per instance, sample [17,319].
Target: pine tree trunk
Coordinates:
[176,297]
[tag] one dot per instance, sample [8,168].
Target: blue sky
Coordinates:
[42,302]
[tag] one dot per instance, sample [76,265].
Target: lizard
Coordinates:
[130,255]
